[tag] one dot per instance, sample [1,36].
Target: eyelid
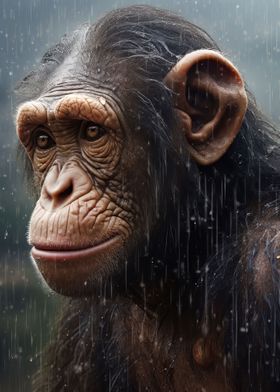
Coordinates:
[41,128]
[88,123]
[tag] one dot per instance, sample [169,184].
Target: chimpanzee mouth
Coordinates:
[62,252]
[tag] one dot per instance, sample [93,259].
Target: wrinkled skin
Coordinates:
[98,200]
[87,211]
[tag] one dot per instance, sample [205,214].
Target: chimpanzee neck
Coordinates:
[118,339]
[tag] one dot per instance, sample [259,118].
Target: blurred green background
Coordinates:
[249,33]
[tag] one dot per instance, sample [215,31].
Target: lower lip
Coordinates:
[73,255]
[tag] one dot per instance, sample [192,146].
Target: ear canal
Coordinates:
[210,100]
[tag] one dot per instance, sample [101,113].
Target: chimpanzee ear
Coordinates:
[211,102]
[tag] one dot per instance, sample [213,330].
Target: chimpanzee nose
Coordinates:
[62,187]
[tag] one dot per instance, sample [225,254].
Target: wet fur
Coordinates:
[209,284]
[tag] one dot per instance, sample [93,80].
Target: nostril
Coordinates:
[61,196]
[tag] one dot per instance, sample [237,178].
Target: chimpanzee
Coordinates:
[158,215]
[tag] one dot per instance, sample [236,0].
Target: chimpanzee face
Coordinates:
[93,169]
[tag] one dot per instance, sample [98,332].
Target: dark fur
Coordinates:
[204,215]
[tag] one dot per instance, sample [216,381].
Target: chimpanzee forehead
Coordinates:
[75,74]
[78,74]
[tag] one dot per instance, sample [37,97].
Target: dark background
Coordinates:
[248,31]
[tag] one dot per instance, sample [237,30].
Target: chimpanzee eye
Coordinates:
[91,131]
[43,140]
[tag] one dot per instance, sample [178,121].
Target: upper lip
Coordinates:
[64,246]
